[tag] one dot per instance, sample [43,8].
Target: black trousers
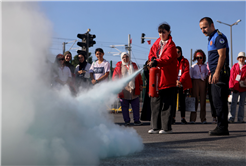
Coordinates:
[161,109]
[213,111]
[219,95]
[181,102]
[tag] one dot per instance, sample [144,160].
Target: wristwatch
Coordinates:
[97,81]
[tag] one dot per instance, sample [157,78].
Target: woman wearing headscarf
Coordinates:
[81,72]
[130,93]
[146,110]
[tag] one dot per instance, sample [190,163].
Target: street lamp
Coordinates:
[231,34]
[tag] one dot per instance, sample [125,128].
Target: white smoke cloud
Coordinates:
[41,126]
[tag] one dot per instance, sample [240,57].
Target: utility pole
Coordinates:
[64,47]
[129,48]
[190,57]
[230,25]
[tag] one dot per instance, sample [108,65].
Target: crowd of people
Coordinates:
[177,81]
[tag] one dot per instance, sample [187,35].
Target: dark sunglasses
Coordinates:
[178,52]
[199,57]
[61,59]
[79,57]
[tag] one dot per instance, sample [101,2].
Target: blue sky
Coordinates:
[112,21]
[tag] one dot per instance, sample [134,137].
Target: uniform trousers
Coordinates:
[213,111]
[220,97]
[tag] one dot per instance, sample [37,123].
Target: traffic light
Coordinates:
[91,41]
[87,41]
[142,38]
[82,44]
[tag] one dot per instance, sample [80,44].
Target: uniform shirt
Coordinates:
[216,41]
[99,69]
[198,71]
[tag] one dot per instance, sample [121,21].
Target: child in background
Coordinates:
[99,69]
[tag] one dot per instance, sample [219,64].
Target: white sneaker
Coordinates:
[165,132]
[152,131]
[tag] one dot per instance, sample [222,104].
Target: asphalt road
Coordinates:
[188,145]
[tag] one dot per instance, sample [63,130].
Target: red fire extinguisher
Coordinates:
[154,76]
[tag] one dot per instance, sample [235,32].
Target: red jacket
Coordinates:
[233,83]
[167,63]
[138,78]
[185,79]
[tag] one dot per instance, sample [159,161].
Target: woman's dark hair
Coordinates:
[203,55]
[82,55]
[180,49]
[100,50]
[83,64]
[163,26]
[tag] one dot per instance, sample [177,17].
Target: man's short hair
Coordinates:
[208,19]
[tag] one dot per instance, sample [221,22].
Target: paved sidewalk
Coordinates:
[188,145]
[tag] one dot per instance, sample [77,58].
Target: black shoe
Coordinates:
[218,132]
[183,121]
[138,123]
[173,121]
[230,121]
[127,124]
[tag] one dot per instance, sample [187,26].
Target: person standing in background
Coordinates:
[82,75]
[68,57]
[130,93]
[199,75]
[146,110]
[62,73]
[183,83]
[218,61]
[237,78]
[99,69]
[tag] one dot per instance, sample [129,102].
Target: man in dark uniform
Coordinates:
[218,61]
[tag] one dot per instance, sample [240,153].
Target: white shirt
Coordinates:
[162,45]
[100,69]
[198,71]
[63,73]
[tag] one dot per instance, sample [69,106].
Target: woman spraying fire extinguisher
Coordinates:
[163,55]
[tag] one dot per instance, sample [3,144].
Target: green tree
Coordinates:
[89,59]
[75,60]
